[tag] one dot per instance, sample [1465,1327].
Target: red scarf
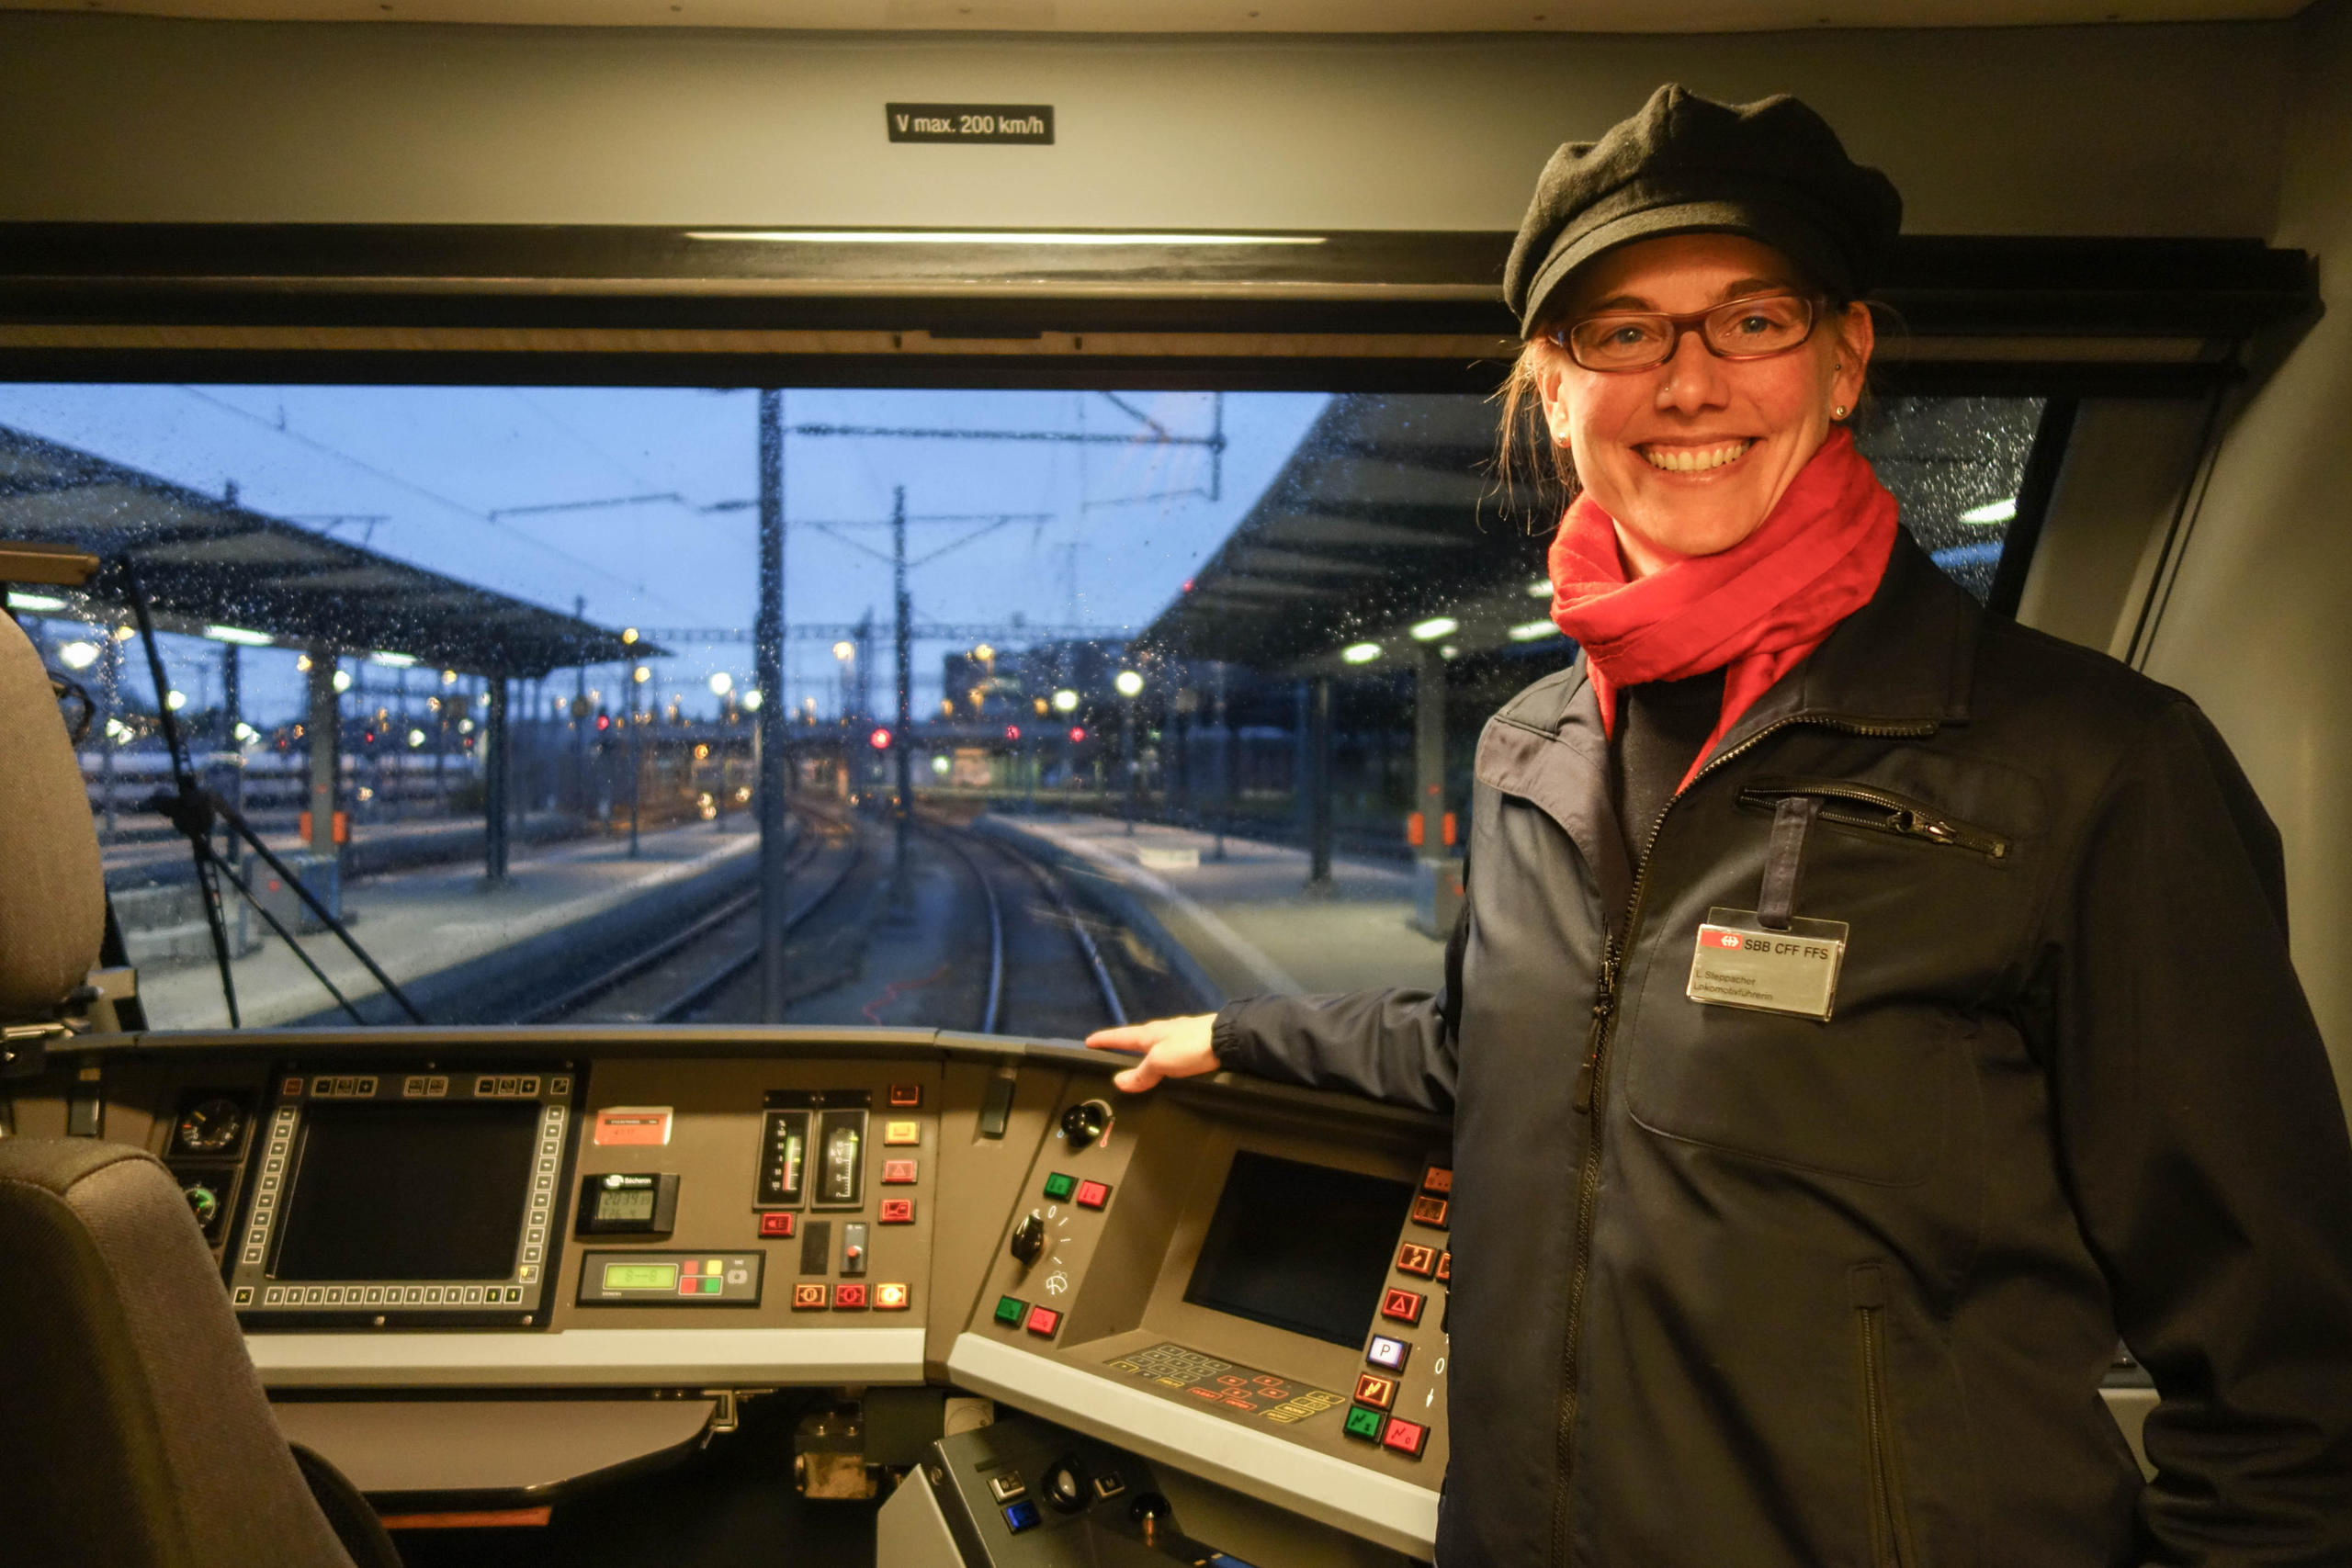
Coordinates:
[1754,610]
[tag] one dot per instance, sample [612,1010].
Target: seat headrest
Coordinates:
[52,890]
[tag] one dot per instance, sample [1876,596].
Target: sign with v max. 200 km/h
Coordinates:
[1029,125]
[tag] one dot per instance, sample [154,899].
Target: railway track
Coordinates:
[681,973]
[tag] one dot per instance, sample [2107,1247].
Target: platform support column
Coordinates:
[773,767]
[323,731]
[1227,778]
[1437,885]
[498,775]
[1319,784]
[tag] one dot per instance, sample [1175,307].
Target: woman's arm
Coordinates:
[1394,1045]
[2203,1140]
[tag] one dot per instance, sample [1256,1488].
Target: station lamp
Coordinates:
[940,764]
[240,635]
[1530,631]
[1992,513]
[79,655]
[1065,701]
[844,651]
[641,674]
[175,700]
[1127,684]
[752,699]
[343,680]
[721,683]
[415,739]
[37,603]
[1540,589]
[247,732]
[629,637]
[1360,652]
[1432,629]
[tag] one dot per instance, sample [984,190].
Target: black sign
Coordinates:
[1030,125]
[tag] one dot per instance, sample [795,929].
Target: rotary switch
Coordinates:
[1084,1122]
[1029,1239]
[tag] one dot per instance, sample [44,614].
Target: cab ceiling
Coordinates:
[1212,15]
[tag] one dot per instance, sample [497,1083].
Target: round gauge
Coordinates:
[211,1126]
[202,1201]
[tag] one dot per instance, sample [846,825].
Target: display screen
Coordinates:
[640,1275]
[1300,1246]
[394,1191]
[636,1204]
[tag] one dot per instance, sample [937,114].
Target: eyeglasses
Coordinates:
[1755,328]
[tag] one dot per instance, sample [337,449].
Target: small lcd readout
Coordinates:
[640,1275]
[1300,1246]
[626,1203]
[391,1191]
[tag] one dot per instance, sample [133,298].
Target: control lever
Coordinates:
[1063,1488]
[1029,1239]
[1084,1122]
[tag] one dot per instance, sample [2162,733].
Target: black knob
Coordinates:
[1029,1238]
[1065,1488]
[1085,1122]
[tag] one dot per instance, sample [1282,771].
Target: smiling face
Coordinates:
[1690,457]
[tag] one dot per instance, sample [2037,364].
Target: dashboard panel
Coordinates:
[1241,1280]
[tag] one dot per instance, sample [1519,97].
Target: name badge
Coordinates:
[1740,963]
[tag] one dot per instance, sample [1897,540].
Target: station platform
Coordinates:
[446,937]
[1247,921]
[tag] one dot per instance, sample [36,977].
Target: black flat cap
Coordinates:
[1772,170]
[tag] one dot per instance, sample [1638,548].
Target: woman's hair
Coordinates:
[1526,454]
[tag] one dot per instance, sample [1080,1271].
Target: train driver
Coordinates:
[1866,1008]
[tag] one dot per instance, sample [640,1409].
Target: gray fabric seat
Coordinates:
[133,1430]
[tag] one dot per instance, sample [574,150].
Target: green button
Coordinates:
[1058,1187]
[1365,1422]
[1009,1309]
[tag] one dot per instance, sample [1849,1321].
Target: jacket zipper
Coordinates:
[1892,813]
[1589,1096]
[1889,1547]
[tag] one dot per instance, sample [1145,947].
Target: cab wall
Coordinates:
[2257,627]
[2159,129]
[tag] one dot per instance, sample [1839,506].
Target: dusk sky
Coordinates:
[427,474]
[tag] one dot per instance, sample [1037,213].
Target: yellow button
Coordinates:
[711,1265]
[902,1132]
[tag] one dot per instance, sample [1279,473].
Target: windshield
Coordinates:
[1071,687]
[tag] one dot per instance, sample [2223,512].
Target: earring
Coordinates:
[1838,411]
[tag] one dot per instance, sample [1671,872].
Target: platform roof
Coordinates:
[204,561]
[1385,516]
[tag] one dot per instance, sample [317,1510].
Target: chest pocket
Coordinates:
[1867,1095]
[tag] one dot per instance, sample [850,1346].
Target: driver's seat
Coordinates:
[134,1432]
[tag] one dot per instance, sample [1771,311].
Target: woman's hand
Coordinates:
[1171,1048]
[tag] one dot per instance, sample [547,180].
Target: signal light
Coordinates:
[1077,732]
[1012,732]
[879,740]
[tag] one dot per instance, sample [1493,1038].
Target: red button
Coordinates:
[775,1225]
[1404,1437]
[897,1173]
[1405,1306]
[849,1296]
[1430,1211]
[906,1096]
[809,1298]
[1043,1321]
[1414,1258]
[1445,1265]
[1093,1195]
[897,1211]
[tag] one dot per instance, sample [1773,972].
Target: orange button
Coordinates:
[897,1173]
[1438,1180]
[1378,1392]
[809,1298]
[906,1096]
[898,1134]
[1445,1266]
[890,1298]
[1414,1258]
[1428,1211]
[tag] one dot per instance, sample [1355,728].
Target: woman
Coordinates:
[1865,1008]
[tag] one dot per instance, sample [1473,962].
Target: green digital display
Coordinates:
[640,1275]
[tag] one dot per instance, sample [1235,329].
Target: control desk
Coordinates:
[1237,1281]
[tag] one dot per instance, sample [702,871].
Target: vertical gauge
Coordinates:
[784,1162]
[841,1159]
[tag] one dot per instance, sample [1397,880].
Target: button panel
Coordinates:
[636,1278]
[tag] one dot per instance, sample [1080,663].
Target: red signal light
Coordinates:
[603,721]
[879,740]
[1012,732]
[1077,732]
